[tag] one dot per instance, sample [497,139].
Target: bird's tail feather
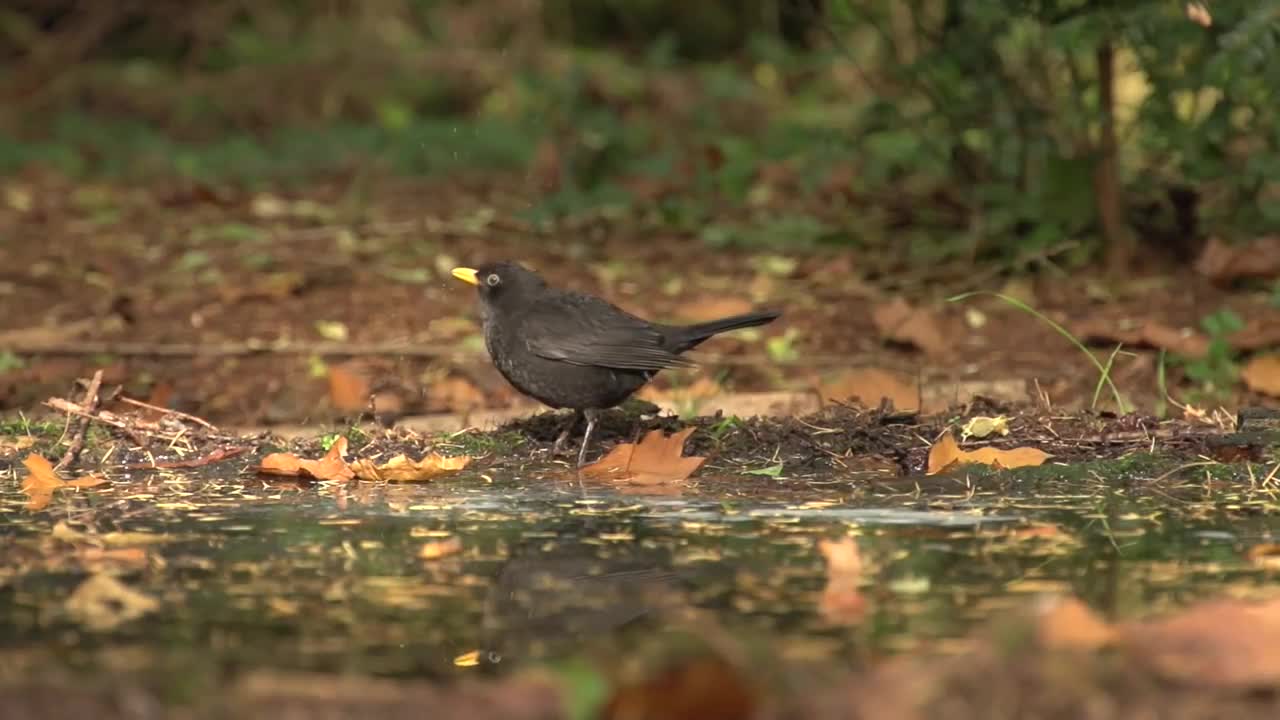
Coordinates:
[689,336]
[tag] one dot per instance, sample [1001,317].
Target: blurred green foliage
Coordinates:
[938,128]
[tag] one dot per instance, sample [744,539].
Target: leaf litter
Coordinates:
[332,467]
[655,460]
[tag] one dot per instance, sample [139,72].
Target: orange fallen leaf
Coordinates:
[842,602]
[655,459]
[440,548]
[700,389]
[869,386]
[42,481]
[946,453]
[329,467]
[401,469]
[1220,643]
[899,321]
[1262,374]
[1069,624]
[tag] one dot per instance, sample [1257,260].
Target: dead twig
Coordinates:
[167,411]
[89,405]
[216,456]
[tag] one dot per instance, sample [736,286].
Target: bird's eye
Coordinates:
[492,280]
[494,657]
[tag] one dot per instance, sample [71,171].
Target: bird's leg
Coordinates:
[564,434]
[592,416]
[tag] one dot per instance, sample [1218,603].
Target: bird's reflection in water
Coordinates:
[555,597]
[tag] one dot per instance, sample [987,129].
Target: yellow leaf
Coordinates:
[945,453]
[401,469]
[42,481]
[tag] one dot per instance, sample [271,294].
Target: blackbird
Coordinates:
[572,350]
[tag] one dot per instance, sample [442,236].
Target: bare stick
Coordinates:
[167,411]
[90,404]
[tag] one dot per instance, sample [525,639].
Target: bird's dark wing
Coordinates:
[583,330]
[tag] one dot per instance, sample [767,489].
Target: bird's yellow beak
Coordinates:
[466,275]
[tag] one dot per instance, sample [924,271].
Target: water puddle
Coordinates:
[248,575]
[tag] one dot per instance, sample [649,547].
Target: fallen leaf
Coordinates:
[1262,374]
[842,602]
[101,603]
[1223,263]
[401,469]
[349,387]
[42,481]
[946,453]
[898,321]
[869,385]
[1068,624]
[981,426]
[1142,333]
[1221,643]
[439,548]
[655,459]
[329,467]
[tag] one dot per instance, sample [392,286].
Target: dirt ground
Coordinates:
[238,305]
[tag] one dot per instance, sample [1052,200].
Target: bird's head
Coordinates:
[502,282]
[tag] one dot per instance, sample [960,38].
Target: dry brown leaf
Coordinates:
[1147,333]
[655,459]
[712,308]
[440,548]
[42,481]
[329,467]
[349,387]
[455,394]
[1068,624]
[898,321]
[869,385]
[401,469]
[946,453]
[1223,263]
[842,602]
[1221,643]
[1262,374]
[102,602]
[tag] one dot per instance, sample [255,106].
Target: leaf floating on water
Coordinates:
[329,467]
[654,460]
[42,481]
[842,602]
[401,469]
[102,603]
[945,453]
